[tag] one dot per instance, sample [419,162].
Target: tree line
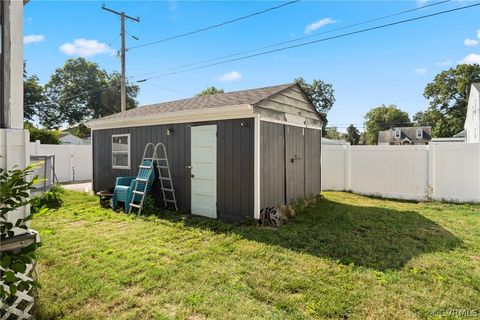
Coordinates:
[80,91]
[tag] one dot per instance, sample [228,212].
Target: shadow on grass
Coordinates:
[372,237]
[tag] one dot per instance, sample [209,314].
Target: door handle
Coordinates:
[295,158]
[193,176]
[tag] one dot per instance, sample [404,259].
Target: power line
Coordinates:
[296,39]
[171,90]
[302,44]
[214,26]
[314,41]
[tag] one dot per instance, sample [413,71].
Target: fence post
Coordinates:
[347,167]
[431,170]
[37,147]
[72,168]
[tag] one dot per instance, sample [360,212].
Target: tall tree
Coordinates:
[111,95]
[383,118]
[322,96]
[353,135]
[433,118]
[33,95]
[210,90]
[333,133]
[80,91]
[448,96]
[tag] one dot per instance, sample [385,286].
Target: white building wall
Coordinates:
[472,121]
[13,138]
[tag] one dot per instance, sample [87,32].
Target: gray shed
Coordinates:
[231,154]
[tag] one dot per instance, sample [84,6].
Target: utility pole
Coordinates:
[123,93]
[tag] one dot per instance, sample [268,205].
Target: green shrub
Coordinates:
[44,135]
[51,199]
[14,194]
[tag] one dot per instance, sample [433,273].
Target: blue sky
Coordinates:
[390,66]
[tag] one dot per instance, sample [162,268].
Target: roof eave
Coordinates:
[208,114]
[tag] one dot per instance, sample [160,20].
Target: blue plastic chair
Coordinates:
[124,186]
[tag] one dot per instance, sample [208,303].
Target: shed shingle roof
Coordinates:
[251,97]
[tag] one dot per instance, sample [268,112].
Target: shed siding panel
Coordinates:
[272,164]
[312,162]
[234,162]
[235,169]
[295,163]
[289,101]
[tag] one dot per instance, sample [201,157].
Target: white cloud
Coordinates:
[470,42]
[471,59]
[444,63]
[421,71]
[318,24]
[85,48]
[230,76]
[33,38]
[478,33]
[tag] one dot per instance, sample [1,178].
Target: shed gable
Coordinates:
[291,105]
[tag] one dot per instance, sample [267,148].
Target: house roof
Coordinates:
[409,133]
[476,86]
[249,97]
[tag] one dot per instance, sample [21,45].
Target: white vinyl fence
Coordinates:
[439,171]
[72,162]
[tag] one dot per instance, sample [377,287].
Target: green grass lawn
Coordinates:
[347,256]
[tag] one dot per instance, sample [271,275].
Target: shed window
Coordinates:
[419,133]
[397,134]
[121,151]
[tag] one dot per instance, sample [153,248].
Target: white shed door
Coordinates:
[204,170]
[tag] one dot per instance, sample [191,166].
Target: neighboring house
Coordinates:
[405,136]
[13,138]
[231,154]
[68,138]
[472,121]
